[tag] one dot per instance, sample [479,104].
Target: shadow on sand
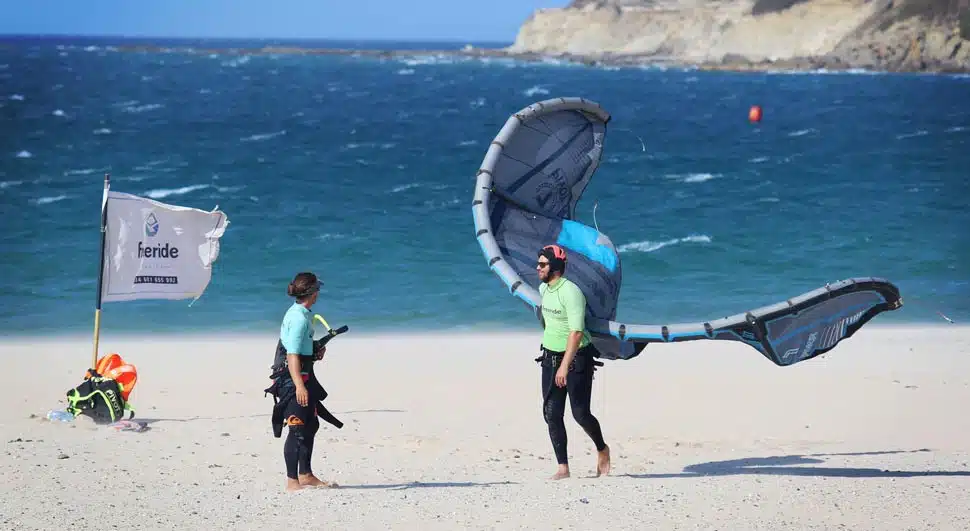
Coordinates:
[421,484]
[790,465]
[150,421]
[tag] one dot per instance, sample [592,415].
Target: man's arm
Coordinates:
[572,345]
[575,305]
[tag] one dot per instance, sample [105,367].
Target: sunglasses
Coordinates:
[541,265]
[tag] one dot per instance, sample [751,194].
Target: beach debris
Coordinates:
[63,456]
[60,415]
[129,425]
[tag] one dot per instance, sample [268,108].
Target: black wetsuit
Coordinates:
[301,420]
[579,388]
[303,425]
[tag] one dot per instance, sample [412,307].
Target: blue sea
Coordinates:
[361,169]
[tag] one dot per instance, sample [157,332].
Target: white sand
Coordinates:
[445,432]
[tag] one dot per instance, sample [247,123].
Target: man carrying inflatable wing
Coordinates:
[567,359]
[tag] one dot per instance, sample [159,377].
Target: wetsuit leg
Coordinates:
[553,409]
[303,425]
[291,454]
[579,383]
[309,435]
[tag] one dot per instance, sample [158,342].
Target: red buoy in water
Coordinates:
[754,115]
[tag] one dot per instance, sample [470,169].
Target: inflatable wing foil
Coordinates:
[526,191]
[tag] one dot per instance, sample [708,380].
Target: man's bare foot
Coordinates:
[562,473]
[309,480]
[293,485]
[603,462]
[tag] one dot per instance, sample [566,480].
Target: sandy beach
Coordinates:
[444,431]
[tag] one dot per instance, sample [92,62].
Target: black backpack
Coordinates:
[99,398]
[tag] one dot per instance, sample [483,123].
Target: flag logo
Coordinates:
[151,225]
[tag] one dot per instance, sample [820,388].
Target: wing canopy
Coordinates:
[532,177]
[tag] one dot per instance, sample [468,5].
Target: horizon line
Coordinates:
[450,40]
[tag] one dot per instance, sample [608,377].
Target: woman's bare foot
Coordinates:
[293,485]
[309,480]
[603,462]
[562,473]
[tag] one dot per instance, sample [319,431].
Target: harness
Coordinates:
[553,358]
[283,390]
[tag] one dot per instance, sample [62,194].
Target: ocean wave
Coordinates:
[904,136]
[262,136]
[85,171]
[161,193]
[536,90]
[50,199]
[692,178]
[648,246]
[134,108]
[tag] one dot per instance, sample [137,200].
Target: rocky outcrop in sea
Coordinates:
[887,35]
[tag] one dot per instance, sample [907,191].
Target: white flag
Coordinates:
[158,251]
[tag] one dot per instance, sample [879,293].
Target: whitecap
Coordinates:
[404,187]
[536,90]
[262,136]
[904,136]
[85,171]
[143,108]
[160,193]
[50,199]
[693,177]
[648,246]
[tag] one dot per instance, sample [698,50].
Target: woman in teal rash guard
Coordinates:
[299,410]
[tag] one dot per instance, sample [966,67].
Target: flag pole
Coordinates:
[97,306]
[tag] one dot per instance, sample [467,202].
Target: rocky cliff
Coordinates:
[897,35]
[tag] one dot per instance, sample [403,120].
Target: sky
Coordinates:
[423,20]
